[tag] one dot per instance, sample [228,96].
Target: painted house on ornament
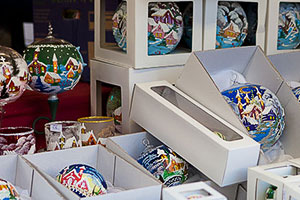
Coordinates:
[24,76]
[160,30]
[115,20]
[151,24]
[71,64]
[2,80]
[231,30]
[6,71]
[70,73]
[14,85]
[171,38]
[36,67]
[72,177]
[252,110]
[51,77]
[163,16]
[79,68]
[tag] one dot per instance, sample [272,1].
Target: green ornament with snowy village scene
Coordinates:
[55,65]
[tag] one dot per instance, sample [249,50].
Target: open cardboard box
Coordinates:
[190,191]
[115,170]
[22,175]
[292,190]
[185,116]
[278,174]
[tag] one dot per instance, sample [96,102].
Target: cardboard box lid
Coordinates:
[186,126]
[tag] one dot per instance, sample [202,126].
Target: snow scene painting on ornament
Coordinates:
[288,26]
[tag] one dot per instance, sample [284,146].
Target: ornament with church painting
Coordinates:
[95,129]
[232,25]
[165,27]
[288,26]
[8,191]
[13,75]
[259,110]
[62,135]
[83,180]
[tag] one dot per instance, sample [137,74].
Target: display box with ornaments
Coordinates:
[273,181]
[122,180]
[198,190]
[150,33]
[234,23]
[125,78]
[25,180]
[283,26]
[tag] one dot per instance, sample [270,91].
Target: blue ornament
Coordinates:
[232,25]
[288,26]
[165,27]
[83,180]
[296,92]
[259,110]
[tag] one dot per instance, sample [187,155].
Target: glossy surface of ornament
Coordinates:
[8,191]
[13,75]
[296,92]
[55,65]
[288,26]
[83,180]
[165,27]
[17,140]
[259,110]
[165,165]
[271,193]
[232,25]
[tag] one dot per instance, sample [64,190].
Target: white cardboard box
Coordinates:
[272,27]
[186,191]
[210,22]
[257,69]
[292,190]
[125,77]
[187,127]
[114,169]
[277,174]
[137,40]
[22,175]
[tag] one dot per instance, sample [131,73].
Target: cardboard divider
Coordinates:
[114,169]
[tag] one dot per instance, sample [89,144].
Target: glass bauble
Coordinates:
[8,191]
[232,25]
[260,111]
[165,27]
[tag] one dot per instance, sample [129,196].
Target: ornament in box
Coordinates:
[83,180]
[260,111]
[8,191]
[232,25]
[165,27]
[113,107]
[288,26]
[13,75]
[164,164]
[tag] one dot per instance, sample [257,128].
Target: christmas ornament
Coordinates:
[271,193]
[232,25]
[164,164]
[260,111]
[113,107]
[188,25]
[83,180]
[8,191]
[165,27]
[117,115]
[18,140]
[55,66]
[296,92]
[288,26]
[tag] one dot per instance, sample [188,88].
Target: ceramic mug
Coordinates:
[96,129]
[17,140]
[62,135]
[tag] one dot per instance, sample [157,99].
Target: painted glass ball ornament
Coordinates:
[13,75]
[232,25]
[259,110]
[164,164]
[83,180]
[113,101]
[55,65]
[270,193]
[296,92]
[288,26]
[165,27]
[8,191]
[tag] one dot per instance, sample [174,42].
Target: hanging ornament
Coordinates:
[13,75]
[113,101]
[83,180]
[288,26]
[165,27]
[164,164]
[8,191]
[259,110]
[232,25]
